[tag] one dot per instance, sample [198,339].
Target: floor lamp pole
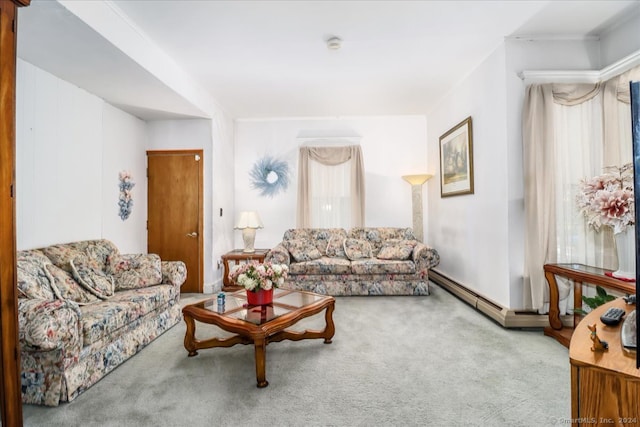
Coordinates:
[416,182]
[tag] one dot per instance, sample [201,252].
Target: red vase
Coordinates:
[260,297]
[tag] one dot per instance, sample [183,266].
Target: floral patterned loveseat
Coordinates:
[362,261]
[83,309]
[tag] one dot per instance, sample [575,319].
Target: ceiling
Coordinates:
[270,59]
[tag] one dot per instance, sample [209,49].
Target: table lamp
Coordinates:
[248,222]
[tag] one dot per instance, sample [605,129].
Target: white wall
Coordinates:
[392,146]
[70,146]
[470,231]
[58,155]
[223,193]
[622,40]
[124,144]
[480,236]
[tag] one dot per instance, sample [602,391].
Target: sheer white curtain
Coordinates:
[579,155]
[330,195]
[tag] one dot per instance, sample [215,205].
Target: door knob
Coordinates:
[193,234]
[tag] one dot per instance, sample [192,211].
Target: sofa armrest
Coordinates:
[46,325]
[425,257]
[278,255]
[174,273]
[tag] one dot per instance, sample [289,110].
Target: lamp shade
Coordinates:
[417,179]
[249,219]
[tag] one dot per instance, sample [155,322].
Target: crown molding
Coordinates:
[581,76]
[329,140]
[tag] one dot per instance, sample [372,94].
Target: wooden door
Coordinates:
[175,211]
[10,393]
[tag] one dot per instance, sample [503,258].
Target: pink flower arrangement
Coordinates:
[254,276]
[608,199]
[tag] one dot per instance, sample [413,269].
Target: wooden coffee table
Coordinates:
[258,325]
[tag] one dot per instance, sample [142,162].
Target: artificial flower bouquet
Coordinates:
[254,276]
[607,199]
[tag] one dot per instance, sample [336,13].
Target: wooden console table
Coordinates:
[236,256]
[580,274]
[604,385]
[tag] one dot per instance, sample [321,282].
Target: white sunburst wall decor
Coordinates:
[269,176]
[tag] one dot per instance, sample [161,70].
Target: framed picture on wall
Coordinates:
[456,160]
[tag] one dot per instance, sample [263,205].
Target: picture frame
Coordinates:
[456,160]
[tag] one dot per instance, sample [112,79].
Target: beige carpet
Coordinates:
[394,361]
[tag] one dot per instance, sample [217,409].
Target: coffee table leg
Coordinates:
[189,337]
[260,345]
[330,328]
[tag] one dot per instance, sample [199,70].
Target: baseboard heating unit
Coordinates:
[503,316]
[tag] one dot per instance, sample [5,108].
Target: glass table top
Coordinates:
[284,302]
[584,268]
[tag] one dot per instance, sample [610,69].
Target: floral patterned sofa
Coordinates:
[362,261]
[83,309]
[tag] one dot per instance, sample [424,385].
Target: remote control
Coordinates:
[630,299]
[612,316]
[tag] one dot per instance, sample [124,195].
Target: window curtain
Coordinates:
[570,132]
[330,156]
[330,194]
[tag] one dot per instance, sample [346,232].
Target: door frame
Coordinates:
[10,392]
[194,152]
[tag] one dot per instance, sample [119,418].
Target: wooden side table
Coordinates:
[580,274]
[604,385]
[237,256]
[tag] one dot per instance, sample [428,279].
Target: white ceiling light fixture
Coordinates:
[334,43]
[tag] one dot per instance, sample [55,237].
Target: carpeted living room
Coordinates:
[405,182]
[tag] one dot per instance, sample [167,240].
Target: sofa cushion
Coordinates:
[357,248]
[335,248]
[396,249]
[324,265]
[66,288]
[105,319]
[377,236]
[380,266]
[319,237]
[91,277]
[302,250]
[34,281]
[135,271]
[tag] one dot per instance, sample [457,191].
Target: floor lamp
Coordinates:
[416,182]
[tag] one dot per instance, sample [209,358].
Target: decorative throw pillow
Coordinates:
[357,248]
[66,288]
[33,280]
[135,271]
[396,249]
[91,278]
[302,250]
[335,247]
[61,255]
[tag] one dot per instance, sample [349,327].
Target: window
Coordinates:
[330,195]
[330,187]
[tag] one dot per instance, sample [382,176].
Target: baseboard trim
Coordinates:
[505,317]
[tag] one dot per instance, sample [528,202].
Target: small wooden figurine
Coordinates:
[598,345]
